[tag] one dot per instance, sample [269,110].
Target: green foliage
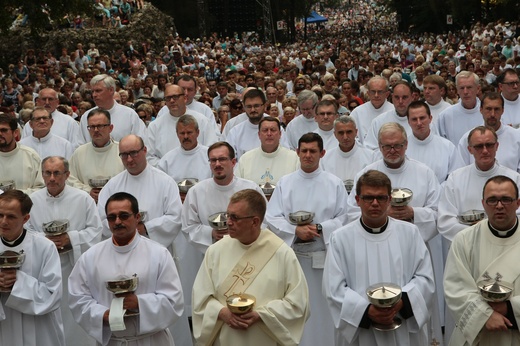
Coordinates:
[43,14]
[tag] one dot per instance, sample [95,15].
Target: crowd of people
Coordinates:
[307,176]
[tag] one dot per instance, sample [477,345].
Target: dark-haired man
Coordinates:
[313,190]
[373,249]
[156,303]
[489,247]
[270,272]
[30,307]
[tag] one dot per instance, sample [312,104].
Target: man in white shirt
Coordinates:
[326,114]
[509,85]
[190,159]
[378,90]
[313,190]
[348,157]
[159,136]
[30,309]
[157,301]
[459,118]
[434,90]
[401,98]
[508,153]
[371,250]
[63,124]
[42,140]
[84,229]
[425,146]
[124,119]
[303,123]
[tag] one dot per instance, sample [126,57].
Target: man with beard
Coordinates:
[18,163]
[244,136]
[159,138]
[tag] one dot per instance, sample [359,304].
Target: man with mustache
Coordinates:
[160,206]
[190,159]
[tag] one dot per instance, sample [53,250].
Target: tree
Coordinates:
[42,14]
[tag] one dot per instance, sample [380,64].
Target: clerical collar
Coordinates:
[15,242]
[503,234]
[58,195]
[374,230]
[104,146]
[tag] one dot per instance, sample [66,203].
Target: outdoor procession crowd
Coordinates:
[356,188]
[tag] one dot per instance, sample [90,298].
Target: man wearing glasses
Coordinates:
[326,114]
[63,124]
[161,132]
[42,140]
[304,122]
[373,249]
[18,163]
[508,153]
[462,189]
[509,85]
[363,115]
[99,157]
[310,189]
[415,176]
[211,196]
[488,247]
[156,303]
[269,271]
[53,203]
[159,203]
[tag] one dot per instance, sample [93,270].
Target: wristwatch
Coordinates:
[319,228]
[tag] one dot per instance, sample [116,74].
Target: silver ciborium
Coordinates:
[55,228]
[401,197]
[385,295]
[7,185]
[98,182]
[124,284]
[494,290]
[11,260]
[301,217]
[349,185]
[471,217]
[218,221]
[186,184]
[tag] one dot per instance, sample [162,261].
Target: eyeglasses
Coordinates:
[121,216]
[219,159]
[257,106]
[97,127]
[45,118]
[396,147]
[377,92]
[480,147]
[132,153]
[174,97]
[493,201]
[237,107]
[57,174]
[327,114]
[236,218]
[516,82]
[378,198]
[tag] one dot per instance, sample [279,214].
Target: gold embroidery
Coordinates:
[240,279]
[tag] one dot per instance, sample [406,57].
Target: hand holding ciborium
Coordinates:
[185,185]
[10,261]
[56,231]
[7,185]
[218,222]
[494,290]
[385,296]
[124,286]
